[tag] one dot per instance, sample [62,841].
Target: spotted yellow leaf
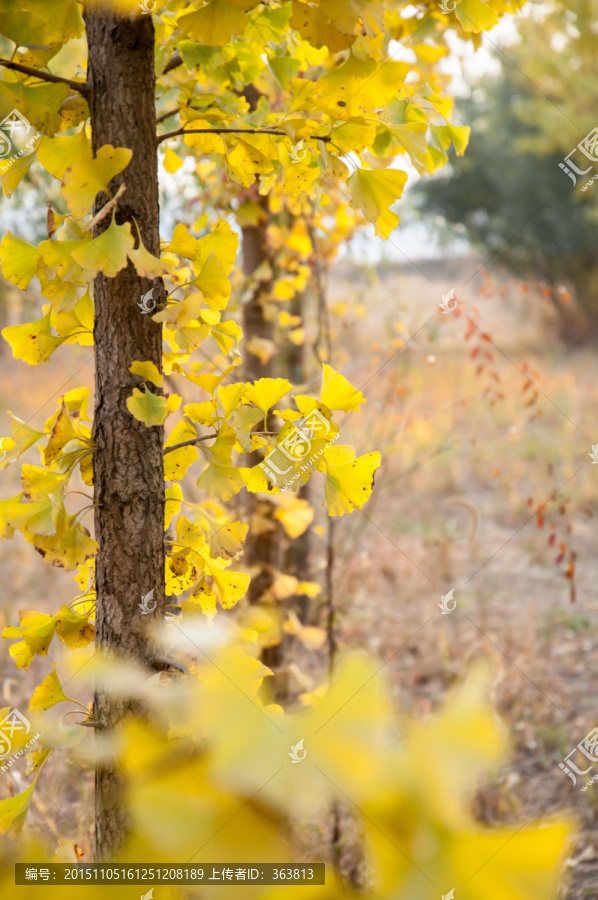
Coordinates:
[349,482]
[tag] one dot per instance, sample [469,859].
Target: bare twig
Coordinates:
[167,115]
[80,86]
[173,63]
[170,134]
[105,209]
[188,443]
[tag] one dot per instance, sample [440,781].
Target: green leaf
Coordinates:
[147,407]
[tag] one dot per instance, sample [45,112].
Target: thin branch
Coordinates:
[167,115]
[79,86]
[187,443]
[105,209]
[164,137]
[173,63]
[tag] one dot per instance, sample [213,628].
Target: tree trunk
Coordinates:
[261,550]
[128,469]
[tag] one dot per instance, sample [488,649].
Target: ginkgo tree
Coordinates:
[98,81]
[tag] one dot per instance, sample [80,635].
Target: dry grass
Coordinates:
[441,439]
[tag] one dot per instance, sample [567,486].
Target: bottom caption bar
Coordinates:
[182,873]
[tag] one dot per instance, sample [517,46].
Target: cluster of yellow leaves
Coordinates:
[231,414]
[201,785]
[36,630]
[38,511]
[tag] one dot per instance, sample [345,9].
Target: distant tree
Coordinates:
[517,204]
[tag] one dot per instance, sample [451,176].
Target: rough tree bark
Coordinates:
[128,470]
[261,549]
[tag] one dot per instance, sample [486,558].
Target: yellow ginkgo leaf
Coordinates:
[147,370]
[47,694]
[73,630]
[242,420]
[147,265]
[205,597]
[23,434]
[265,392]
[19,260]
[294,513]
[299,177]
[222,482]
[20,652]
[359,86]
[38,483]
[475,15]
[227,334]
[338,393]
[87,176]
[176,462]
[59,153]
[108,252]
[181,574]
[37,630]
[202,413]
[56,258]
[373,192]
[215,24]
[314,24]
[68,549]
[214,283]
[6,529]
[230,586]
[348,486]
[173,497]
[13,811]
[222,242]
[62,433]
[189,535]
[147,407]
[32,342]
[172,162]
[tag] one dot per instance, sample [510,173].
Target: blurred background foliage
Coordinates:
[203,787]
